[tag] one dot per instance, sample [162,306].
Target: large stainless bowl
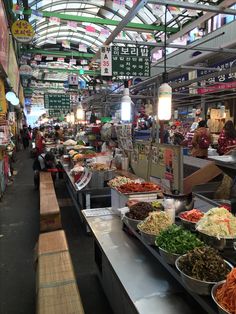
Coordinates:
[147,237]
[195,285]
[221,310]
[187,224]
[132,223]
[169,258]
[182,202]
[228,243]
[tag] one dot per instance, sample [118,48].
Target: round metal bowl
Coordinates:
[147,237]
[169,258]
[221,310]
[132,223]
[195,285]
[187,224]
[227,243]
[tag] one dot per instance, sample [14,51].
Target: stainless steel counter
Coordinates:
[149,286]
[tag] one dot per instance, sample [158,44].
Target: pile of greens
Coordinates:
[204,264]
[177,240]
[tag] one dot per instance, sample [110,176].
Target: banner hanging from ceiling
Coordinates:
[22,31]
[4,38]
[125,61]
[57,104]
[3,102]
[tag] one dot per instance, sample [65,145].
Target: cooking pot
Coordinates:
[182,202]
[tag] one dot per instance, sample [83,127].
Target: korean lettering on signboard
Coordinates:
[106,64]
[130,61]
[57,102]
[180,79]
[221,78]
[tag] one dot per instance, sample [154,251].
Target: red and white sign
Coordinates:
[216,87]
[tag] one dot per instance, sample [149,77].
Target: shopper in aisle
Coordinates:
[59,135]
[39,140]
[227,138]
[201,141]
[43,162]
[25,135]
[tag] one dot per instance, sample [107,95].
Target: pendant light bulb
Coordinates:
[80,114]
[72,118]
[68,120]
[126,106]
[164,102]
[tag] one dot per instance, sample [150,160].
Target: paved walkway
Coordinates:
[19,229]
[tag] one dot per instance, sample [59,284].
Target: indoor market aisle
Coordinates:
[19,229]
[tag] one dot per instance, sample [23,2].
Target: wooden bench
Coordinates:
[50,218]
[57,291]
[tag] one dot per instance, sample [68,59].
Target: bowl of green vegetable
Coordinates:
[202,268]
[176,241]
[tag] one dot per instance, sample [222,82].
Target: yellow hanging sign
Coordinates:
[22,31]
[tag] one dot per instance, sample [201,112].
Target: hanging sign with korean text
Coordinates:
[106,61]
[22,31]
[57,102]
[222,81]
[130,61]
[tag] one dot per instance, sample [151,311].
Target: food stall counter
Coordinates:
[133,280]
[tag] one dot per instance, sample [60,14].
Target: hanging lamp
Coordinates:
[68,120]
[126,104]
[80,114]
[164,105]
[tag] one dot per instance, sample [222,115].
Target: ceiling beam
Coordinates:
[71,54]
[194,6]
[94,20]
[205,17]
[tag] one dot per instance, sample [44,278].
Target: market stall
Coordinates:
[132,274]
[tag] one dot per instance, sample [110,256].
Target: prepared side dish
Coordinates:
[138,187]
[205,264]
[177,240]
[218,222]
[155,223]
[226,294]
[140,211]
[193,215]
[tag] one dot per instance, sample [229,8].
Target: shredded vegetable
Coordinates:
[218,222]
[155,222]
[226,294]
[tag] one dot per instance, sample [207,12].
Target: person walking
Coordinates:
[227,138]
[39,141]
[201,141]
[25,135]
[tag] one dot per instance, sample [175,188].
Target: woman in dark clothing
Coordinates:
[227,138]
[25,137]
